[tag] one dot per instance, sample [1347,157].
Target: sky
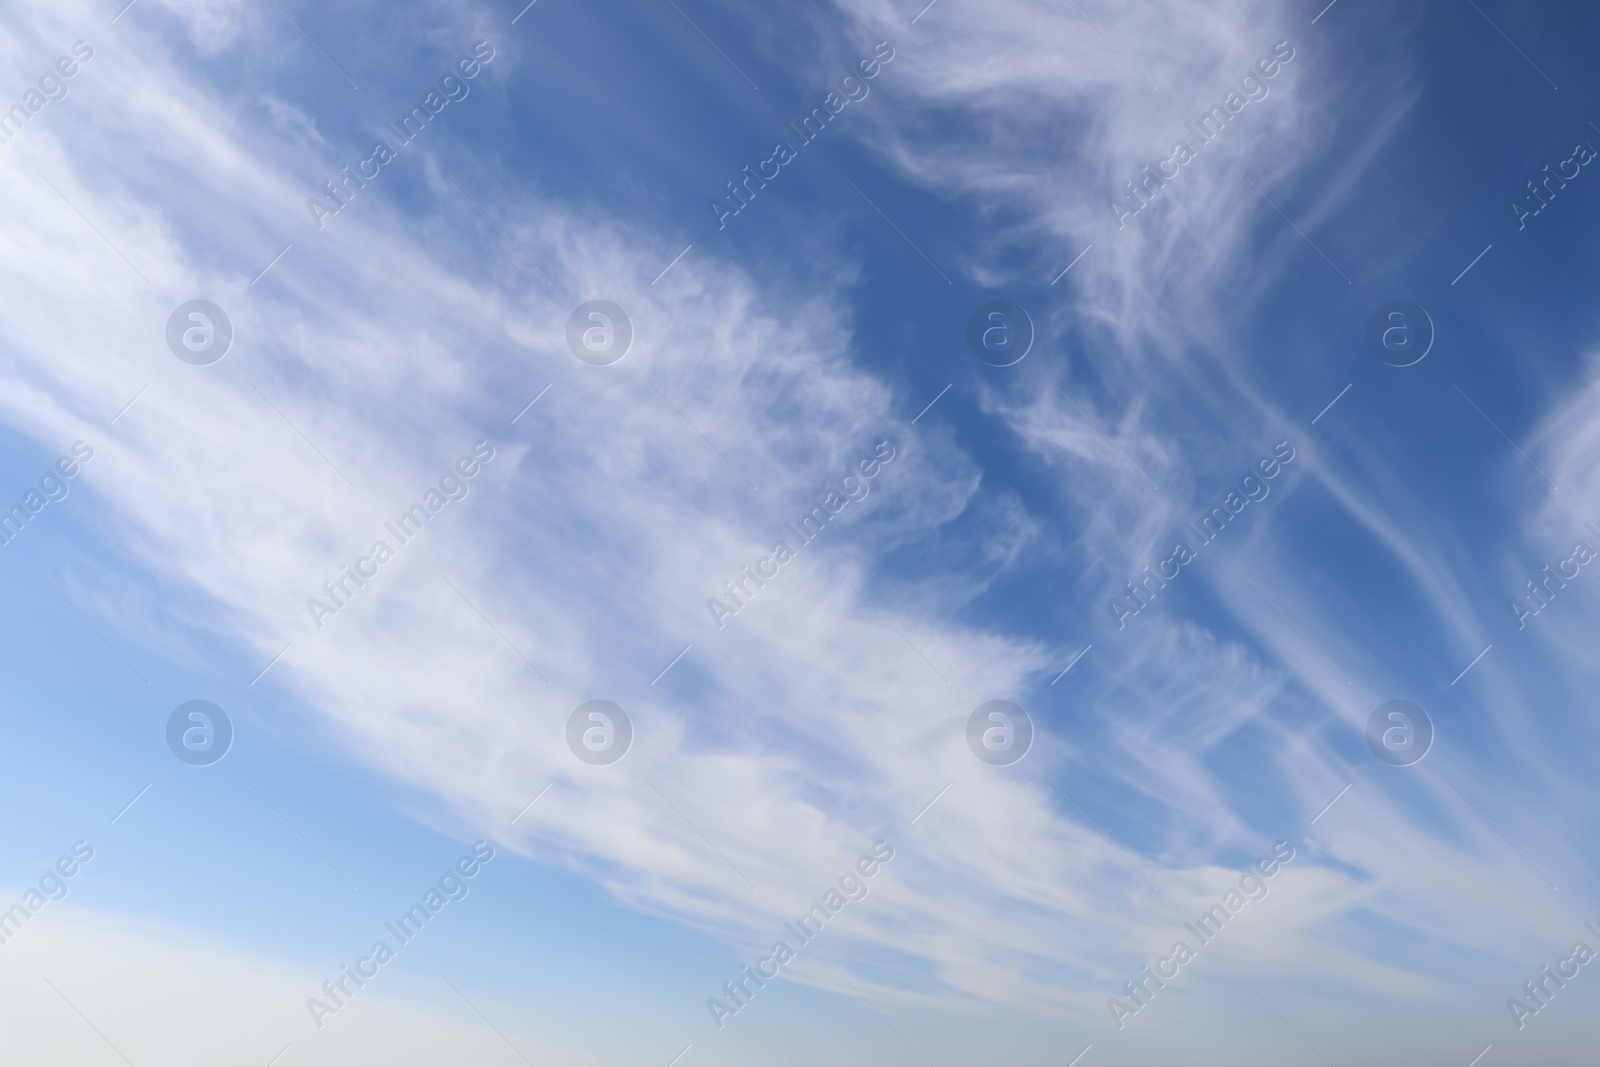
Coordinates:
[1094,505]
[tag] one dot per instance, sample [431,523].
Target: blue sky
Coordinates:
[1220,326]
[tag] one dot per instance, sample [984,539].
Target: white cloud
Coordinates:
[812,724]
